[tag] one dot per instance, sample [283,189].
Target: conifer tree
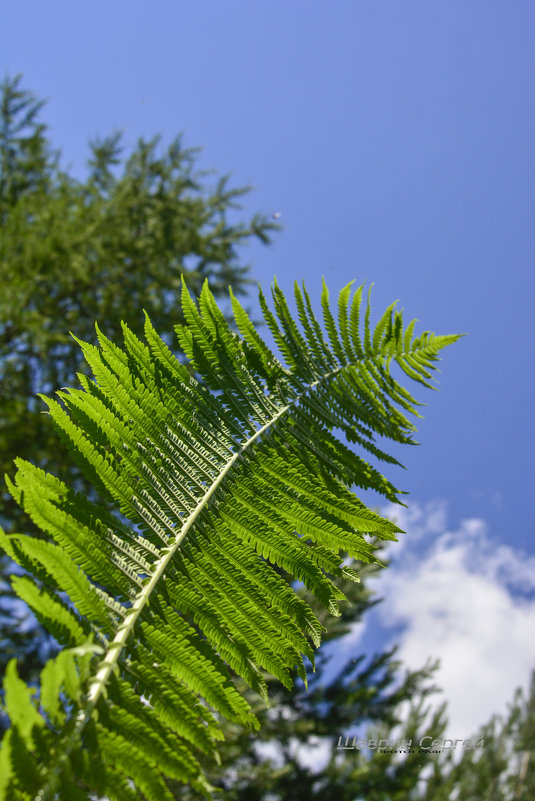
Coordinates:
[500,766]
[76,251]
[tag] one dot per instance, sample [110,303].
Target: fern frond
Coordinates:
[219,475]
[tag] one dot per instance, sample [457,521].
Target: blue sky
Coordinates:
[396,141]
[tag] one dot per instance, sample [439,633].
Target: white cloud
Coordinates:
[468,601]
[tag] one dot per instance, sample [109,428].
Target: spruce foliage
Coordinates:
[74,250]
[99,247]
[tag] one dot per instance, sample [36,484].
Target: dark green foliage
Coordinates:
[73,252]
[101,248]
[155,603]
[502,769]
[27,164]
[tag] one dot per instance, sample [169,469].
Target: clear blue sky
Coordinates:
[396,139]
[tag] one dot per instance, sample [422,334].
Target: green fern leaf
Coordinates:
[219,472]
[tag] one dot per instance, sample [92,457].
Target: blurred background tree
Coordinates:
[73,252]
[503,769]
